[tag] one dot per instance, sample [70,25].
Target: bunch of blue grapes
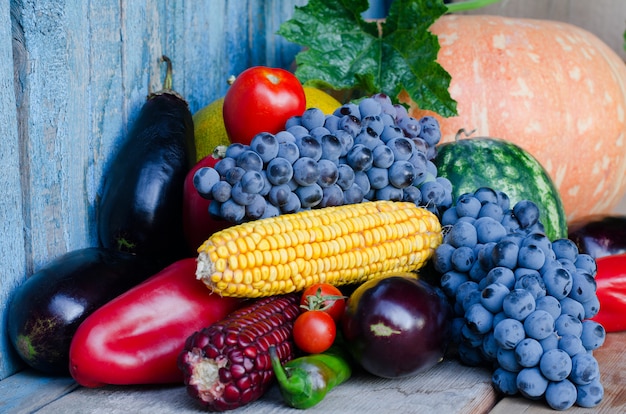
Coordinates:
[522,303]
[370,150]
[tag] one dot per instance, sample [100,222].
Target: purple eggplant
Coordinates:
[397,326]
[599,235]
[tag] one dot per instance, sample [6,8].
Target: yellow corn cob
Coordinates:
[335,245]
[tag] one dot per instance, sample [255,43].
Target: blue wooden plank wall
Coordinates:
[73,76]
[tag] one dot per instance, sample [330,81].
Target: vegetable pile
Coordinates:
[316,246]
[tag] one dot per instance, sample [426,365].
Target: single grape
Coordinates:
[360,179]
[585,369]
[572,307]
[348,108]
[279,171]
[506,359]
[528,352]
[505,254]
[451,280]
[462,234]
[353,195]
[378,177]
[279,195]
[549,304]
[240,196]
[232,211]
[373,124]
[402,148]
[360,158]
[508,333]
[558,282]
[568,324]
[531,383]
[533,283]
[463,258]
[319,132]
[312,118]
[310,195]
[224,165]
[331,147]
[256,209]
[504,381]
[502,275]
[331,196]
[350,124]
[488,229]
[289,151]
[292,205]
[204,179]
[390,132]
[433,193]
[478,319]
[555,364]
[518,304]
[383,156]
[565,248]
[306,171]
[430,130]
[401,174]
[539,324]
[389,192]
[284,137]
[328,173]
[583,286]
[571,344]
[234,150]
[590,395]
[531,257]
[492,296]
[526,212]
[266,145]
[412,194]
[410,126]
[593,335]
[309,147]
[221,191]
[345,176]
[560,395]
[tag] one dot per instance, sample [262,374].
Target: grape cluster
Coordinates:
[370,150]
[522,303]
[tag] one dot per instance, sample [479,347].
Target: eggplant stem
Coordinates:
[167,83]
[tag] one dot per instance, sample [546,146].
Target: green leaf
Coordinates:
[343,51]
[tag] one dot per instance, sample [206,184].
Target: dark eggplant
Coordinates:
[46,310]
[397,326]
[599,235]
[140,209]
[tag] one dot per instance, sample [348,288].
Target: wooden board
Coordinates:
[448,387]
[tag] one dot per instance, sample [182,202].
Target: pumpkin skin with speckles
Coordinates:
[552,88]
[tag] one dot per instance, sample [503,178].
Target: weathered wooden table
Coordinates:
[448,388]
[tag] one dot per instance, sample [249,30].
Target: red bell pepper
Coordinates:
[611,291]
[136,337]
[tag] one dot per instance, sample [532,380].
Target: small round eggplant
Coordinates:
[599,235]
[397,326]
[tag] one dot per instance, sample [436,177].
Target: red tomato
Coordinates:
[324,297]
[261,99]
[314,331]
[198,225]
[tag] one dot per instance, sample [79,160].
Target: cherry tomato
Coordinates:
[326,298]
[261,99]
[198,225]
[314,331]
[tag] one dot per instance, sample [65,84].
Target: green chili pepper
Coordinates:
[306,380]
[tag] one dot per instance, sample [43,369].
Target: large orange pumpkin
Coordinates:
[552,88]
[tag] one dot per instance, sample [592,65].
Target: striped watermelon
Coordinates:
[503,166]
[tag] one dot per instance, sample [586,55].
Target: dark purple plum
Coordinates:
[397,326]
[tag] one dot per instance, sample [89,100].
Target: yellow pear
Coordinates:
[317,98]
[209,129]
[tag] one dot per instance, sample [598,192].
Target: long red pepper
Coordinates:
[611,291]
[136,337]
